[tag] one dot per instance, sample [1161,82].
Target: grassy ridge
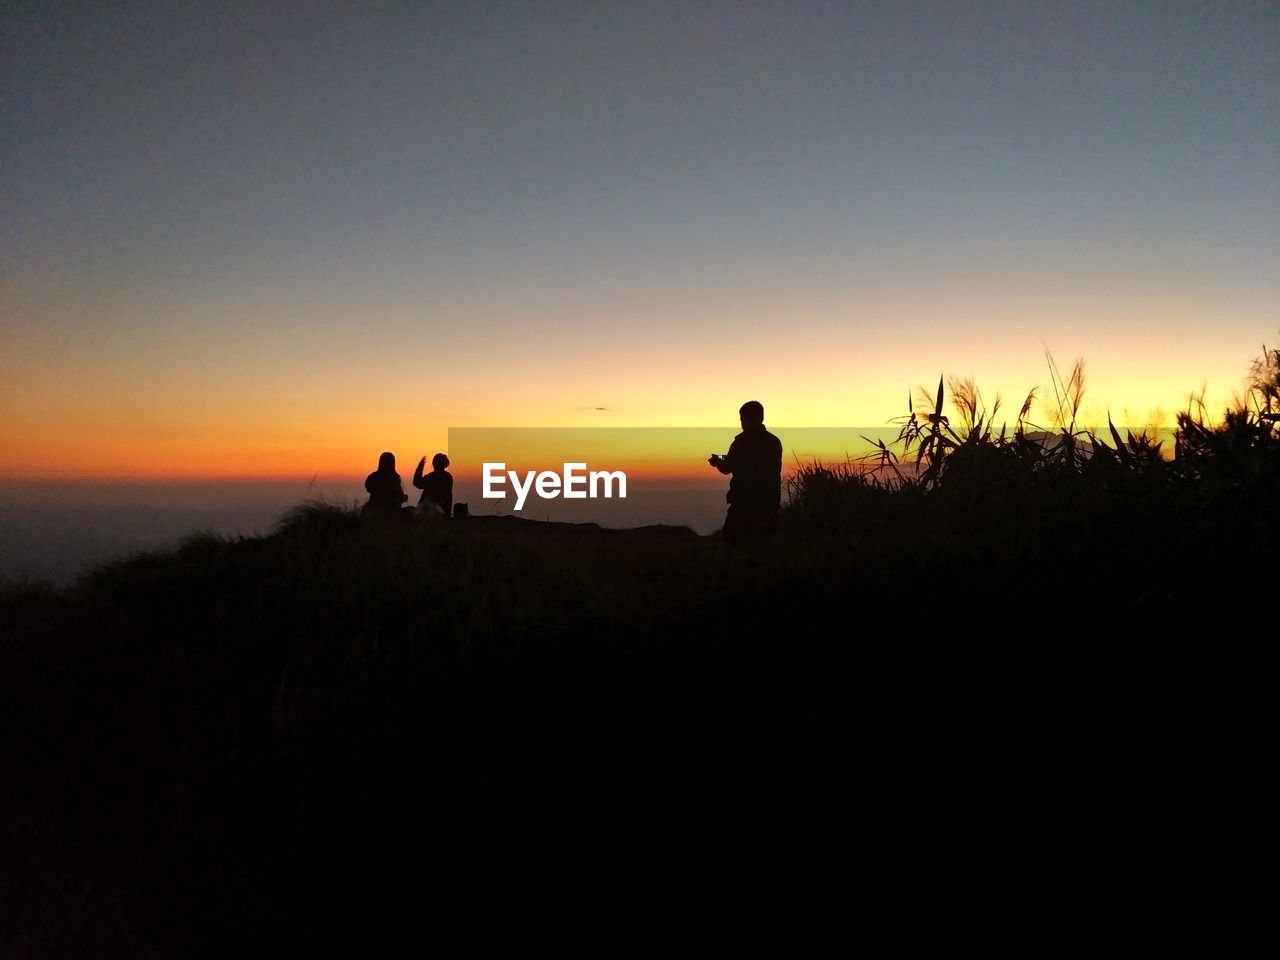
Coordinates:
[1015,686]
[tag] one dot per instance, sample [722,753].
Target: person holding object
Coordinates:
[436,487]
[754,464]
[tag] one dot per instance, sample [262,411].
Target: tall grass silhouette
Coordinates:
[1240,447]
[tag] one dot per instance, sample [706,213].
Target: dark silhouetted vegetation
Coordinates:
[998,684]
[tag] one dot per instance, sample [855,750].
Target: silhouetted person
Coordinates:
[436,487]
[386,492]
[754,462]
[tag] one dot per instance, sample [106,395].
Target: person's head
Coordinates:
[751,413]
[387,463]
[439,462]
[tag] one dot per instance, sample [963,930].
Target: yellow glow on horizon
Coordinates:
[844,362]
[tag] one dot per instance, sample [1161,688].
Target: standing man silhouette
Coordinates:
[754,462]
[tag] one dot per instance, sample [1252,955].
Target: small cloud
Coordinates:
[593,408]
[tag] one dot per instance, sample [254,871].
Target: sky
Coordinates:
[272,240]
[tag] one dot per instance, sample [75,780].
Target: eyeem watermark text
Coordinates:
[575,483]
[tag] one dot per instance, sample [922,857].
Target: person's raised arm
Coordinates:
[417,473]
[720,462]
[735,459]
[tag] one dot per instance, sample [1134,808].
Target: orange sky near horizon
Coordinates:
[85,421]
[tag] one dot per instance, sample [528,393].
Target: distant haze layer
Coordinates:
[55,533]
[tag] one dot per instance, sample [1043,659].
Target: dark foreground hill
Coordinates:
[1043,720]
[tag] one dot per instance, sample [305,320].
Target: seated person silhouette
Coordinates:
[386,492]
[754,463]
[436,487]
